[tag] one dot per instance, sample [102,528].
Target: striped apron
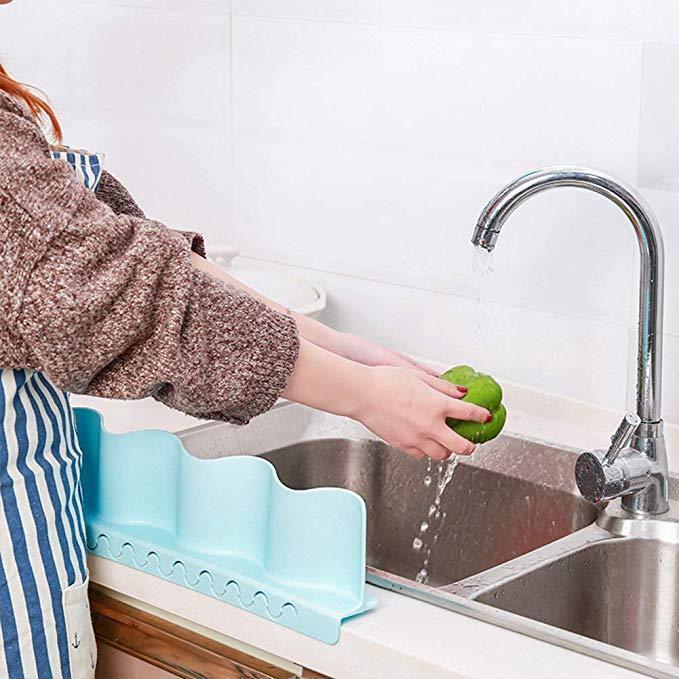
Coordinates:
[45,624]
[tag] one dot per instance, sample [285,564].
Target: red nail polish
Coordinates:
[489,418]
[464,390]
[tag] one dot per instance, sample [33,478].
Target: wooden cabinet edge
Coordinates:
[173,648]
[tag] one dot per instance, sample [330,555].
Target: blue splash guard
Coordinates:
[227,528]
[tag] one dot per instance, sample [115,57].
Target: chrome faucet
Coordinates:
[634,466]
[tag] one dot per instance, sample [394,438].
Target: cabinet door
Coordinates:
[173,648]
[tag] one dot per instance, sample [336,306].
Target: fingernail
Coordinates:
[464,390]
[489,418]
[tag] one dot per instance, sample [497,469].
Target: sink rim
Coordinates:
[522,625]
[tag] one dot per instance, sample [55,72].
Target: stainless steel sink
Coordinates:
[620,591]
[615,582]
[513,543]
[468,531]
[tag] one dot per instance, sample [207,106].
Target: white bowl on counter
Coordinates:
[268,279]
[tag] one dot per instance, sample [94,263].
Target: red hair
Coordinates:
[36,105]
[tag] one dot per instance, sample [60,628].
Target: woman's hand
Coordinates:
[408,409]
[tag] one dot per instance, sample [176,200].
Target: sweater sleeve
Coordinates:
[110,191]
[110,305]
[118,198]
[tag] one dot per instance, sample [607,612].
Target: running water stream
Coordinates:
[482,268]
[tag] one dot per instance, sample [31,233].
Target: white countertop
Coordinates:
[402,637]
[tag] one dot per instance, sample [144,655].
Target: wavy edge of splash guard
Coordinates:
[227,527]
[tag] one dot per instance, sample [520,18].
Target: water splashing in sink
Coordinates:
[435,516]
[445,478]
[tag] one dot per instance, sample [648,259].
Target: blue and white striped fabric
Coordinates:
[42,545]
[45,625]
[87,166]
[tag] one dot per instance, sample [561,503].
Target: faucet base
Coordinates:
[616,520]
[649,440]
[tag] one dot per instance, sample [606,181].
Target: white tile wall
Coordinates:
[180,175]
[180,75]
[148,83]
[428,91]
[357,142]
[658,133]
[373,150]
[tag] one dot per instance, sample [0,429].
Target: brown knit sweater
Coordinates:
[108,303]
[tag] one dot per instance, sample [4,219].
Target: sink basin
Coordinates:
[510,542]
[614,582]
[468,530]
[619,591]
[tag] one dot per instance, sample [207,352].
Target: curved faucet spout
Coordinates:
[651,288]
[651,285]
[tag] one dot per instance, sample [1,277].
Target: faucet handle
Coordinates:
[622,437]
[600,481]
[606,474]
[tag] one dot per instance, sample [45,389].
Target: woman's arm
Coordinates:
[112,305]
[111,192]
[406,408]
[354,388]
[118,198]
[347,345]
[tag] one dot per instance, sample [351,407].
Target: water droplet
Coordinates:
[427,480]
[432,509]
[421,576]
[417,544]
[423,527]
